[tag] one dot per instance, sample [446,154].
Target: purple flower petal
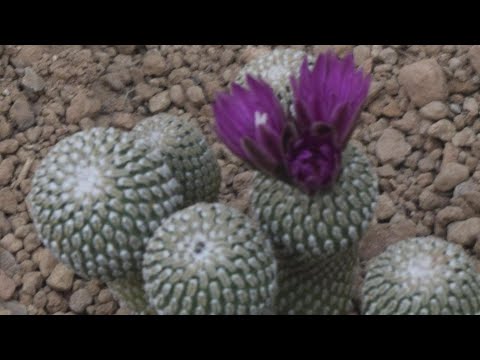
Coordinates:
[251,122]
[305,150]
[333,92]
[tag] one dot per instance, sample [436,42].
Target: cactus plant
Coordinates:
[316,237]
[314,194]
[97,196]
[187,153]
[209,259]
[422,276]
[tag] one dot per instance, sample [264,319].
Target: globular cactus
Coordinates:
[95,199]
[316,238]
[187,153]
[422,276]
[314,194]
[276,68]
[209,259]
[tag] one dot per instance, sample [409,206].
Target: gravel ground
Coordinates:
[420,130]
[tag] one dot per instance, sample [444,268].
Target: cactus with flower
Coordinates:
[314,193]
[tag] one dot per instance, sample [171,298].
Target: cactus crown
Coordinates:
[422,276]
[208,259]
[95,198]
[187,153]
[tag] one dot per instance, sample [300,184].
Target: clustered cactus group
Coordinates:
[139,210]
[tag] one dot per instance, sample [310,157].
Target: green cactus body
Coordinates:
[187,153]
[315,286]
[276,68]
[315,238]
[209,259]
[96,197]
[422,276]
[130,292]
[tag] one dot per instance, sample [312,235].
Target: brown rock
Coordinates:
[7,168]
[443,130]
[32,281]
[118,80]
[361,53]
[392,147]
[56,303]
[379,236]
[388,56]
[5,312]
[426,164]
[227,57]
[471,106]
[473,200]
[450,176]
[408,124]
[40,299]
[126,49]
[93,286]
[5,128]
[124,121]
[474,57]
[177,75]
[104,296]
[385,208]
[144,91]
[31,242]
[22,231]
[33,134]
[425,179]
[8,146]
[7,262]
[212,88]
[159,102]
[424,82]
[392,109]
[11,243]
[195,95]
[450,214]
[465,233]
[375,88]
[45,260]
[32,81]
[154,64]
[242,181]
[79,300]
[28,55]
[430,201]
[14,308]
[7,287]
[124,311]
[466,137]
[61,278]
[21,114]
[106,309]
[8,201]
[450,154]
[177,95]
[466,187]
[435,110]
[386,171]
[81,107]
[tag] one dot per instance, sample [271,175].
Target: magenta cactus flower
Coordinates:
[305,148]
